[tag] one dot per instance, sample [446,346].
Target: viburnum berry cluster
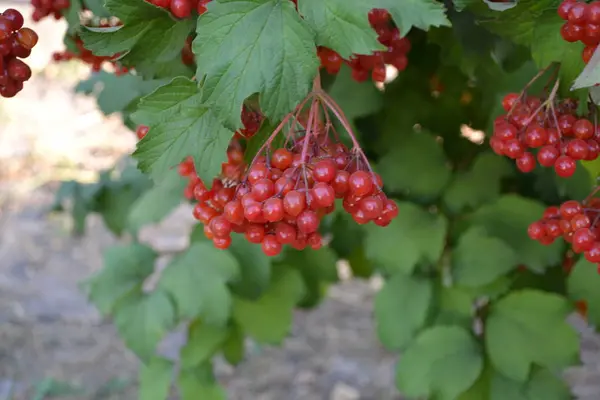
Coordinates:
[582,25]
[576,222]
[545,131]
[182,8]
[46,8]
[87,57]
[281,197]
[373,65]
[16,43]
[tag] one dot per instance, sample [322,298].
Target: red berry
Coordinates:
[565,166]
[564,7]
[273,210]
[307,222]
[592,14]
[234,212]
[15,17]
[570,209]
[263,189]
[324,171]
[281,158]
[593,254]
[536,230]
[577,149]
[181,8]
[509,101]
[27,38]
[536,136]
[513,148]
[141,131]
[322,195]
[18,70]
[294,203]
[583,240]
[577,13]
[255,233]
[222,242]
[583,129]
[547,156]
[220,226]
[526,163]
[271,246]
[371,206]
[285,233]
[360,183]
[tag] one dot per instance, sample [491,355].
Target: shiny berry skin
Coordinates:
[583,129]
[234,212]
[570,209]
[15,17]
[322,195]
[526,162]
[285,233]
[273,210]
[577,13]
[536,231]
[220,226]
[271,246]
[222,243]
[307,222]
[141,131]
[324,171]
[509,100]
[565,166]
[294,202]
[281,158]
[583,240]
[255,233]
[593,254]
[18,70]
[181,8]
[564,7]
[577,149]
[263,189]
[27,38]
[592,13]
[360,183]
[547,156]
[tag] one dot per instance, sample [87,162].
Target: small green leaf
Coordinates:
[414,236]
[478,186]
[269,319]
[142,320]
[508,219]
[233,347]
[405,170]
[254,46]
[583,283]
[401,308]
[420,14]
[341,25]
[528,327]
[442,362]
[180,126]
[199,384]
[197,280]
[455,307]
[149,35]
[155,379]
[480,259]
[255,273]
[542,385]
[157,202]
[203,342]
[125,269]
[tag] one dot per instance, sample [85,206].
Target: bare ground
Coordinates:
[54,344]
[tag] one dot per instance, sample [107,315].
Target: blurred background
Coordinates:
[53,344]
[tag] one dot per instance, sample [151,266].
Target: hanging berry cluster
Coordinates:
[582,25]
[16,43]
[46,8]
[182,8]
[576,222]
[545,130]
[372,65]
[281,197]
[87,57]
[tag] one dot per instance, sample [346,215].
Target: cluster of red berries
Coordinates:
[281,199]
[559,135]
[182,8]
[87,57]
[582,25]
[15,42]
[374,64]
[45,8]
[576,222]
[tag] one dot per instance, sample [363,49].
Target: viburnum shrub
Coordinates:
[16,43]
[450,148]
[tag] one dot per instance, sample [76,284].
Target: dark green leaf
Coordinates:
[528,327]
[255,272]
[233,347]
[203,342]
[542,385]
[583,284]
[180,126]
[415,13]
[254,46]
[155,379]
[401,308]
[442,362]
[200,384]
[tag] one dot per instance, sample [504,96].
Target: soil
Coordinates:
[53,343]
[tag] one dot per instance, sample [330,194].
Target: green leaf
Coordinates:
[254,46]
[71,15]
[255,272]
[582,284]
[125,269]
[508,219]
[233,347]
[357,99]
[142,320]
[254,144]
[420,14]
[401,308]
[528,327]
[200,384]
[455,307]
[269,319]
[405,170]
[590,76]
[478,186]
[155,379]
[149,35]
[180,126]
[480,259]
[442,362]
[203,342]
[158,202]
[197,280]
[97,8]
[542,385]
[414,236]
[341,25]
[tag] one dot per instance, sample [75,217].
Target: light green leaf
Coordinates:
[255,273]
[455,307]
[125,269]
[508,219]
[590,76]
[180,126]
[199,384]
[155,379]
[149,35]
[401,308]
[583,283]
[528,327]
[254,46]
[269,319]
[341,25]
[197,280]
[420,14]
[542,385]
[478,186]
[234,346]
[414,236]
[203,342]
[480,259]
[405,170]
[142,320]
[442,362]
